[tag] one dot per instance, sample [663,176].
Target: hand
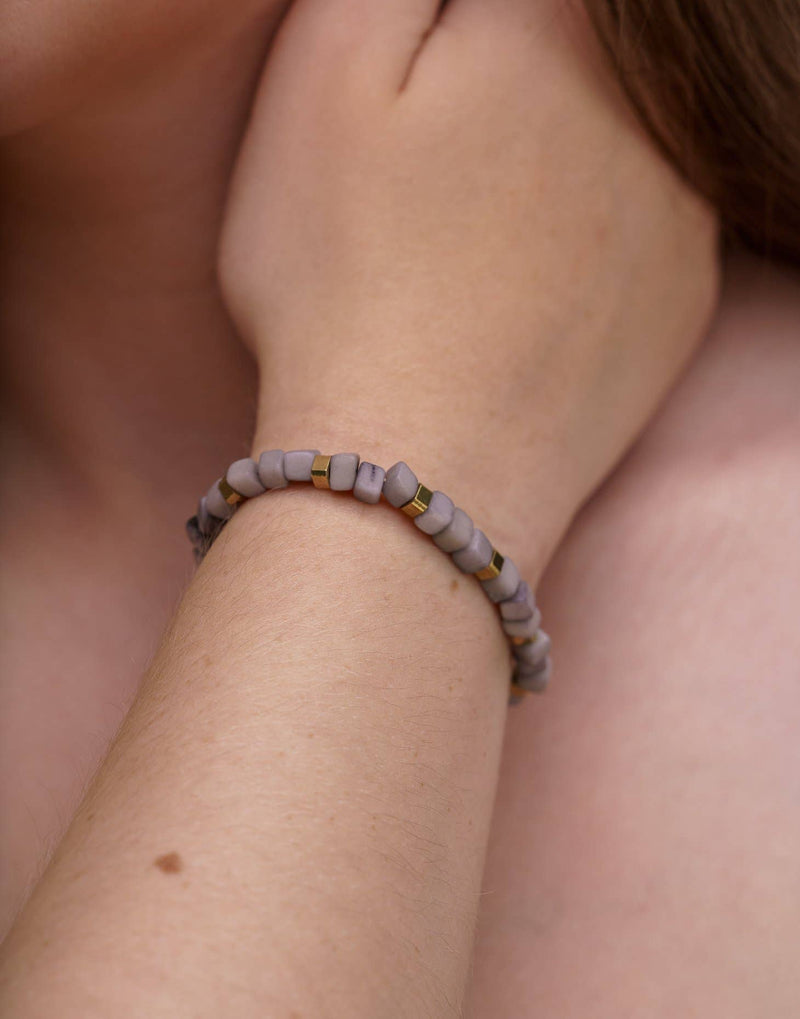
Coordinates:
[453,232]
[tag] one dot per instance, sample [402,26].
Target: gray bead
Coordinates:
[505,583]
[521,604]
[476,555]
[523,627]
[343,470]
[532,655]
[297,464]
[242,476]
[534,680]
[369,482]
[457,534]
[216,505]
[400,484]
[204,520]
[438,514]
[270,469]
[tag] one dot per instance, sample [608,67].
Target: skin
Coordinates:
[94,669]
[643,851]
[109,294]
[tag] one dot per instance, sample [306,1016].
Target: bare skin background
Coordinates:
[627,864]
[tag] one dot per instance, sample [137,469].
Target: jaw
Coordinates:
[114,336]
[58,55]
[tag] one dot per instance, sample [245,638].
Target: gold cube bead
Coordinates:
[230,495]
[493,569]
[321,471]
[419,503]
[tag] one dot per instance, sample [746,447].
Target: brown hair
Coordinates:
[717,82]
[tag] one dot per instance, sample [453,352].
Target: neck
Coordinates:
[118,356]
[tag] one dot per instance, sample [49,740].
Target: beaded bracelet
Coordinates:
[434,514]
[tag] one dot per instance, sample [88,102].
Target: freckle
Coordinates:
[421,785]
[170,863]
[90,816]
[450,686]
[290,817]
[454,584]
[311,735]
[416,949]
[332,818]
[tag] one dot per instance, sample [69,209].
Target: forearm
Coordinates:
[314,752]
[295,813]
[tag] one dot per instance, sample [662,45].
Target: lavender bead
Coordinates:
[216,505]
[536,679]
[343,470]
[476,555]
[532,655]
[400,484]
[270,469]
[369,482]
[523,627]
[297,464]
[457,534]
[438,514]
[504,584]
[205,521]
[242,476]
[521,604]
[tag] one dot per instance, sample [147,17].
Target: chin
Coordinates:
[56,55]
[46,73]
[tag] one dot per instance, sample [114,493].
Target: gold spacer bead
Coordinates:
[519,641]
[230,495]
[493,569]
[321,471]
[518,691]
[419,503]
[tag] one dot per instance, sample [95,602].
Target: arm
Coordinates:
[295,813]
[664,814]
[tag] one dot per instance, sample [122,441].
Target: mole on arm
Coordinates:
[170,863]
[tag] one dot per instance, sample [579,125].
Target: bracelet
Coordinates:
[434,514]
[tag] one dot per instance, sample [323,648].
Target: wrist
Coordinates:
[506,473]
